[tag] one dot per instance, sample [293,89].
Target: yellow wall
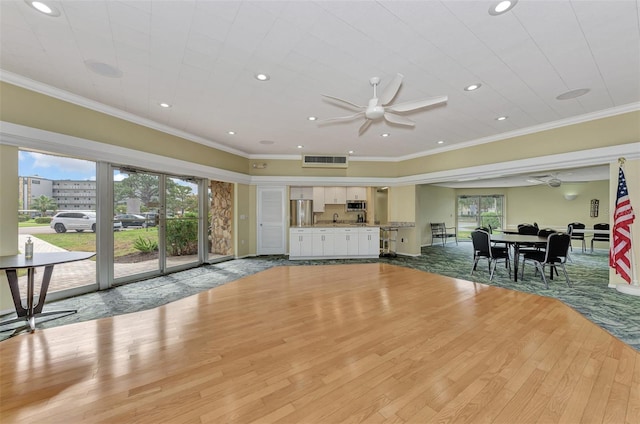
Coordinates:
[245,221]
[435,204]
[8,215]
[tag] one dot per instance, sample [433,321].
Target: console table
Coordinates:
[11,264]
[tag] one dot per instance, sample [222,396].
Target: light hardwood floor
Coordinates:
[371,343]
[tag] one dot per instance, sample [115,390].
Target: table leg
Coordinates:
[516,260]
[32,311]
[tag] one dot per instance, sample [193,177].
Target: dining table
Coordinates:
[12,263]
[517,240]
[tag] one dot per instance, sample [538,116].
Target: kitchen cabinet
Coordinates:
[305,193]
[369,241]
[323,242]
[356,193]
[346,242]
[334,242]
[301,242]
[318,199]
[335,195]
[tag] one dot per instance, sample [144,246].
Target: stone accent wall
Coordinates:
[220,240]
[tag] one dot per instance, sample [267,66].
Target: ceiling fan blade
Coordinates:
[364,126]
[343,118]
[400,120]
[391,90]
[345,102]
[417,104]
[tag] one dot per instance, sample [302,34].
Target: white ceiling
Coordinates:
[201,57]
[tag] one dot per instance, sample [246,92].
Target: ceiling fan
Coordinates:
[380,107]
[552,180]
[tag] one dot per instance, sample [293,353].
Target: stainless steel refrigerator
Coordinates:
[301,212]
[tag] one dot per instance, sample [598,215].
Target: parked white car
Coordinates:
[78,221]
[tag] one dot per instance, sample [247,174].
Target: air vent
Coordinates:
[317,161]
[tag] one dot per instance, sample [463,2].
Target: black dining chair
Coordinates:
[555,255]
[482,249]
[600,236]
[577,236]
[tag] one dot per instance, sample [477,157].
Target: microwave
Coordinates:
[356,206]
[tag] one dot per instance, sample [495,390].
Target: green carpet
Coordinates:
[617,313]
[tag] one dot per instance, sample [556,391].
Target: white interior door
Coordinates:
[271,220]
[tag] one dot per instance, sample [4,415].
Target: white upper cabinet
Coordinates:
[318,199]
[356,193]
[305,193]
[335,195]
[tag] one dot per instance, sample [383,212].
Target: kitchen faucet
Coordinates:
[335,217]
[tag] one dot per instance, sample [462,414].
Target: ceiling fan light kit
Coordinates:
[380,107]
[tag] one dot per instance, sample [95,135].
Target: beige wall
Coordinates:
[401,207]
[435,204]
[548,207]
[245,228]
[8,215]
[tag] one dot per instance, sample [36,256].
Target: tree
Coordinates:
[180,198]
[43,204]
[137,186]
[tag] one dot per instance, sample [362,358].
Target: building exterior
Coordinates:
[67,194]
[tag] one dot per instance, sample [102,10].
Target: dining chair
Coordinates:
[600,236]
[555,255]
[482,249]
[577,236]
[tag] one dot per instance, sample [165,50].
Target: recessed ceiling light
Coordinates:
[231,132]
[103,69]
[42,7]
[472,87]
[300,146]
[262,77]
[351,152]
[573,94]
[502,6]
[384,135]
[501,118]
[165,105]
[440,141]
[266,142]
[312,118]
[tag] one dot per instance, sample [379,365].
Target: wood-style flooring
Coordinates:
[372,343]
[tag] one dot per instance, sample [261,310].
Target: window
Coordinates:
[479,211]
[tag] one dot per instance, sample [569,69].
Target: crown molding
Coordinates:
[29,84]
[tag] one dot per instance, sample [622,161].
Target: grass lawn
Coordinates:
[31,223]
[86,241]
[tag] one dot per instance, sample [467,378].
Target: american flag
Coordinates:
[623,217]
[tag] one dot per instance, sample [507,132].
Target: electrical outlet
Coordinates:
[402,240]
[241,241]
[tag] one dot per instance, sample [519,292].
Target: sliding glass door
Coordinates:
[479,211]
[182,222]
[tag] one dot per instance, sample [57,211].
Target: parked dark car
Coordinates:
[131,220]
[151,218]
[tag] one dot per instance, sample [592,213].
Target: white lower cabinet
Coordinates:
[332,243]
[323,242]
[346,242]
[369,241]
[301,242]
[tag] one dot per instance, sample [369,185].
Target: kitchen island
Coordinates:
[337,241]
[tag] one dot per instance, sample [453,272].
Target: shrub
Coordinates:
[43,220]
[23,218]
[490,219]
[182,237]
[145,245]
